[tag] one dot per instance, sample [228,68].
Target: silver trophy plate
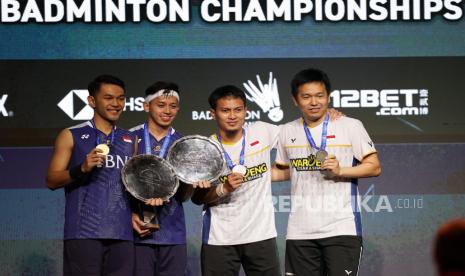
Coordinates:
[148,176]
[196,158]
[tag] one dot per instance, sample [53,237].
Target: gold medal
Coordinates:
[105,149]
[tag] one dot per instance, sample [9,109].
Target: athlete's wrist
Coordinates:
[220,190]
[340,172]
[76,172]
[228,188]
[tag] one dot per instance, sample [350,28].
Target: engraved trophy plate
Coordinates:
[196,158]
[148,176]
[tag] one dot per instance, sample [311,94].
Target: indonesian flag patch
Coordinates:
[127,139]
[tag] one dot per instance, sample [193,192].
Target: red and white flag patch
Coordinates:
[127,139]
[254,143]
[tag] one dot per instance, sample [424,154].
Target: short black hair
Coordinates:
[307,76]
[166,86]
[94,86]
[225,91]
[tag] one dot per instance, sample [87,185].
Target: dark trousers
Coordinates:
[334,256]
[257,258]
[98,257]
[161,260]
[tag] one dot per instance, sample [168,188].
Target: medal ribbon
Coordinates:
[226,155]
[323,135]
[164,147]
[112,134]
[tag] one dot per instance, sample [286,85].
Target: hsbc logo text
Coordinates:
[389,102]
[75,105]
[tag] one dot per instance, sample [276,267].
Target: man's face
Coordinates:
[229,114]
[108,102]
[162,110]
[312,99]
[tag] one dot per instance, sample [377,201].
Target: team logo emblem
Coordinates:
[266,96]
